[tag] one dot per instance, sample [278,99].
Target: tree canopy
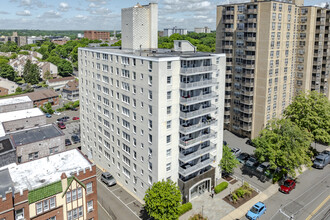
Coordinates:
[311,111]
[31,73]
[162,200]
[228,161]
[284,145]
[6,71]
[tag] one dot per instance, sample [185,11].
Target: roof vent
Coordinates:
[42,181]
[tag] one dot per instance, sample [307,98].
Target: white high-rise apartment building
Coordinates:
[148,115]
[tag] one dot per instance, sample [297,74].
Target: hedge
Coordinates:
[185,208]
[220,187]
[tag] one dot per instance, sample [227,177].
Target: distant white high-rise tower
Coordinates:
[140,27]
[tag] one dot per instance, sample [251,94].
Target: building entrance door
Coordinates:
[200,189]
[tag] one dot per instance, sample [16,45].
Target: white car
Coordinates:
[236,151]
[57,113]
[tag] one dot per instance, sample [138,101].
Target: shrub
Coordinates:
[240,192]
[197,217]
[220,187]
[234,196]
[185,208]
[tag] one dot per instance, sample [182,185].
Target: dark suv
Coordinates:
[75,139]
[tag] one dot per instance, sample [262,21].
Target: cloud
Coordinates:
[4,12]
[31,4]
[64,6]
[98,1]
[23,13]
[100,11]
[82,17]
[50,15]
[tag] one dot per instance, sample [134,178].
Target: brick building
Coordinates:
[97,35]
[41,97]
[56,192]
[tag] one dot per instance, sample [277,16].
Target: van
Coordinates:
[321,161]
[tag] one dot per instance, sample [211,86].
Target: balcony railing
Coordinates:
[247,110]
[199,84]
[203,111]
[187,70]
[246,127]
[199,126]
[198,98]
[196,154]
[191,169]
[201,138]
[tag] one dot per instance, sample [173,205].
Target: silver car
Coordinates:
[236,151]
[263,167]
[108,179]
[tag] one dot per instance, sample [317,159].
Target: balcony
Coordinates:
[249,66]
[226,46]
[191,169]
[202,138]
[196,99]
[192,114]
[247,101]
[248,93]
[228,21]
[227,96]
[248,84]
[249,57]
[196,127]
[226,120]
[248,75]
[199,84]
[229,38]
[251,29]
[229,12]
[247,119]
[246,127]
[228,29]
[227,104]
[252,11]
[200,69]
[247,110]
[252,20]
[196,154]
[251,38]
[253,48]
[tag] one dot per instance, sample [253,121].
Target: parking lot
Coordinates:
[72,127]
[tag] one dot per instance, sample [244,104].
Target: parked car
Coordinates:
[243,157]
[321,160]
[48,115]
[249,142]
[224,142]
[67,142]
[61,125]
[75,118]
[108,179]
[75,139]
[251,162]
[263,167]
[74,109]
[57,113]
[64,119]
[236,151]
[287,186]
[256,211]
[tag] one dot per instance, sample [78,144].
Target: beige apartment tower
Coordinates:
[259,40]
[313,50]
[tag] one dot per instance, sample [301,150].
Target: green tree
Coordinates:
[284,145]
[47,75]
[228,161]
[6,71]
[31,73]
[19,90]
[48,108]
[104,45]
[311,111]
[118,43]
[162,200]
[65,68]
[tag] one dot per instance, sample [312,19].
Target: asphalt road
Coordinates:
[309,200]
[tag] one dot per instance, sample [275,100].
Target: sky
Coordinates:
[105,14]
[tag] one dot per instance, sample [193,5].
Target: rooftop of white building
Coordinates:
[41,172]
[20,114]
[15,100]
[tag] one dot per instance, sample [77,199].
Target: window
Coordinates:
[168,166]
[150,65]
[80,210]
[169,65]
[168,139]
[69,215]
[90,206]
[52,202]
[89,188]
[33,156]
[168,124]
[46,205]
[150,80]
[169,108]
[169,95]
[168,152]
[68,197]
[79,190]
[39,207]
[74,195]
[150,138]
[169,79]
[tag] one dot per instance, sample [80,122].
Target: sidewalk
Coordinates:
[215,208]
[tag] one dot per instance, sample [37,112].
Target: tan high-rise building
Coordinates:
[313,50]
[259,40]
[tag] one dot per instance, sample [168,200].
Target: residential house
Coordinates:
[71,90]
[59,83]
[7,86]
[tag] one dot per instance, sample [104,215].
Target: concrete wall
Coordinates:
[7,158]
[16,106]
[24,123]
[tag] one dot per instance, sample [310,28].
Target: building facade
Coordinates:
[97,35]
[205,30]
[8,87]
[259,39]
[153,114]
[169,31]
[67,190]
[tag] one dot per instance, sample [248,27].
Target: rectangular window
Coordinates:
[74,195]
[46,205]
[168,152]
[39,207]
[169,95]
[169,108]
[52,202]
[79,192]
[169,79]
[80,211]
[168,167]
[169,65]
[89,188]
[168,139]
[90,206]
[69,215]
[68,197]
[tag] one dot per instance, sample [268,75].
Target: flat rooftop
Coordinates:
[6,182]
[41,172]
[159,53]
[15,100]
[20,114]
[35,134]
[5,145]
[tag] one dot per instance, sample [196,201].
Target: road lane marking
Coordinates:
[318,208]
[104,209]
[131,202]
[121,201]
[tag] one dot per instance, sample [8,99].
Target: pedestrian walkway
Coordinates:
[215,208]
